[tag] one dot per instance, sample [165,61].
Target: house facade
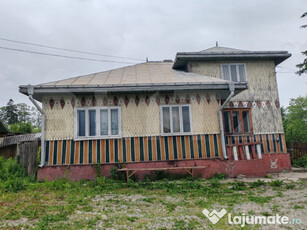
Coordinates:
[217,108]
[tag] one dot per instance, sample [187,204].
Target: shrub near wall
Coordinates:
[12,175]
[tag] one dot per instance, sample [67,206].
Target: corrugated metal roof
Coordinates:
[144,73]
[149,76]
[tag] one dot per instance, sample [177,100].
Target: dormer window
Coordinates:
[234,72]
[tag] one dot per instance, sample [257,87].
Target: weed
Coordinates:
[221,176]
[214,183]
[259,199]
[97,168]
[179,224]
[268,176]
[257,184]
[132,218]
[148,199]
[298,207]
[275,208]
[266,213]
[290,186]
[276,183]
[238,185]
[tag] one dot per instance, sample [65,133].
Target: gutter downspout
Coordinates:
[30,93]
[232,92]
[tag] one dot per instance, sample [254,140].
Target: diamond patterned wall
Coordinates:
[262,87]
[140,112]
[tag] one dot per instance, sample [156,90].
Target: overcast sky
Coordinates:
[140,29]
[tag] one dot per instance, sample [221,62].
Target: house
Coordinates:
[218,108]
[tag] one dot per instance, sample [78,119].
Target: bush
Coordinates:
[301,162]
[12,175]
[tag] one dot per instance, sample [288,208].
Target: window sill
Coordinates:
[175,134]
[97,138]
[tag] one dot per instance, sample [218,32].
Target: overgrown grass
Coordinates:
[54,204]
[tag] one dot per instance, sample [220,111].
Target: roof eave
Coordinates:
[184,57]
[41,90]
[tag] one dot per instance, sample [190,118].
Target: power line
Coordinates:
[63,56]
[69,50]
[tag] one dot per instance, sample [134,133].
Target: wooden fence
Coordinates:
[27,155]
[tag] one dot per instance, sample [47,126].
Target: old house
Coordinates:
[216,110]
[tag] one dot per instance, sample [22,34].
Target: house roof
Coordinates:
[3,128]
[148,76]
[218,53]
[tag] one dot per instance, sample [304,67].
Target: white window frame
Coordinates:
[237,68]
[97,136]
[180,120]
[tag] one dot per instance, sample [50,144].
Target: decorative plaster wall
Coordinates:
[262,90]
[140,112]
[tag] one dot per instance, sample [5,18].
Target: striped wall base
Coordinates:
[133,149]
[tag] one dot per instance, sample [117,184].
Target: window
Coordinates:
[97,122]
[234,72]
[237,121]
[176,119]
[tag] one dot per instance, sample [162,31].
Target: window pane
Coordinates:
[236,121]
[175,116]
[166,120]
[225,69]
[186,119]
[242,73]
[246,121]
[227,123]
[233,70]
[114,122]
[81,123]
[104,127]
[92,122]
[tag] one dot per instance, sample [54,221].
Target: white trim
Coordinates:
[180,120]
[98,135]
[237,69]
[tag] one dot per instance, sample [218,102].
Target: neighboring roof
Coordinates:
[13,140]
[149,76]
[3,128]
[218,53]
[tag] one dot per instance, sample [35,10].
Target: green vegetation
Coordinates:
[295,120]
[20,118]
[301,162]
[106,203]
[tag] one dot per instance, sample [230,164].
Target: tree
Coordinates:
[23,111]
[21,118]
[10,115]
[295,122]
[303,66]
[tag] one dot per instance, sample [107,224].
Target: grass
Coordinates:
[107,203]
